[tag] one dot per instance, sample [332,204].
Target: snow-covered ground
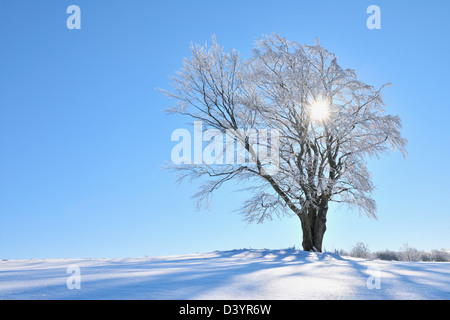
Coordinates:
[235,274]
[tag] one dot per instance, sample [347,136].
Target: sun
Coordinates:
[320,110]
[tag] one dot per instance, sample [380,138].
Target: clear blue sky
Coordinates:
[83,134]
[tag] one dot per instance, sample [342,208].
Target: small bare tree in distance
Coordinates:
[329,123]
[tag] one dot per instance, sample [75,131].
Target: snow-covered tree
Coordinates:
[328,124]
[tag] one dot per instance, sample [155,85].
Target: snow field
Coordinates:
[234,274]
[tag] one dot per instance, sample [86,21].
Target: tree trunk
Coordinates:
[314,227]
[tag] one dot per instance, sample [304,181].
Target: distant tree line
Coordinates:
[405,253]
